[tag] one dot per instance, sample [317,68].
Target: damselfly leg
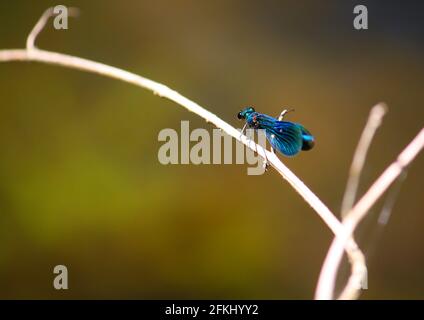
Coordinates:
[283,113]
[265,161]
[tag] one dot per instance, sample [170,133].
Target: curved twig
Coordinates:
[32,53]
[334,256]
[359,272]
[374,121]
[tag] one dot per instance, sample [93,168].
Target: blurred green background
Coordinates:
[81,185]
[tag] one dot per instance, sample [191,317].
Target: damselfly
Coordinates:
[289,138]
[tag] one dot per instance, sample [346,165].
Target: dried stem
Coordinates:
[374,121]
[31,53]
[334,256]
[39,26]
[359,271]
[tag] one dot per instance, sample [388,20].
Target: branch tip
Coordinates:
[41,23]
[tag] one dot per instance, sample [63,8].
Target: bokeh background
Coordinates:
[81,185]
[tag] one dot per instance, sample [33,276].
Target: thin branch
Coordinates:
[334,256]
[39,26]
[31,53]
[358,277]
[165,92]
[374,121]
[386,211]
[359,272]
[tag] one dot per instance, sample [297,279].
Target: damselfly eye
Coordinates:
[239,115]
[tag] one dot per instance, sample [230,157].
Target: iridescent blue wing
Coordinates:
[283,136]
[286,137]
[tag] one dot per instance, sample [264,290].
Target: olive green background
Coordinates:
[81,185]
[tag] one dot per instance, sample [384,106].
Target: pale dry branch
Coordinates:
[374,121]
[359,277]
[327,279]
[31,53]
[384,216]
[39,26]
[359,272]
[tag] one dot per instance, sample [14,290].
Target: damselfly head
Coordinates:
[245,112]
